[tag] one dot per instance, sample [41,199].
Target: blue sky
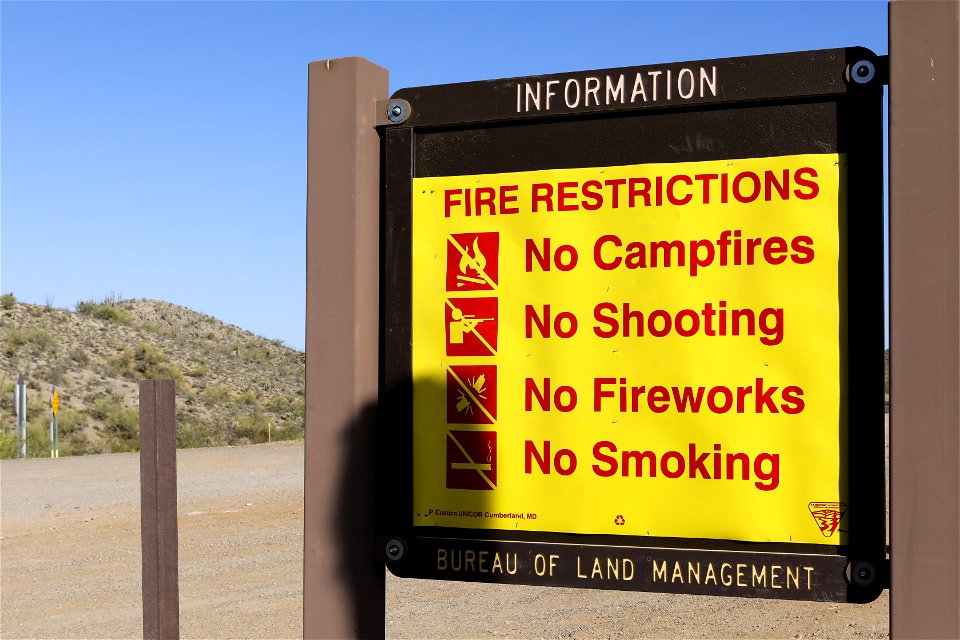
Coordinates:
[158,150]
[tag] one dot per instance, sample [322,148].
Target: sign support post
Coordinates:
[343,580]
[924,320]
[158,510]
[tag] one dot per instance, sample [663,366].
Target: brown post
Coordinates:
[158,509]
[343,580]
[924,320]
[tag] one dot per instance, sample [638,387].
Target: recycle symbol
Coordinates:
[619,521]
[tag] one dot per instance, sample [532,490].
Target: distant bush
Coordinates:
[121,424]
[106,310]
[7,301]
[252,427]
[280,404]
[16,338]
[144,362]
[13,340]
[218,393]
[192,433]
[248,397]
[8,444]
[257,355]
[38,443]
[160,331]
[198,371]
[71,421]
[80,356]
[147,357]
[43,339]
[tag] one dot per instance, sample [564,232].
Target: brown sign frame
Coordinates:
[802,102]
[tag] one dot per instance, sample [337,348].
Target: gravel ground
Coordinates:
[70,567]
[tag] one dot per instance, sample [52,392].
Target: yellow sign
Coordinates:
[55,402]
[647,350]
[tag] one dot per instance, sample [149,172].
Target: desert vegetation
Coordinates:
[233,387]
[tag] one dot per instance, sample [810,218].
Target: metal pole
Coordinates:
[53,423]
[16,408]
[22,388]
[924,319]
[343,581]
[158,509]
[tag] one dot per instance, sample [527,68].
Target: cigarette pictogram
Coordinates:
[472,460]
[472,261]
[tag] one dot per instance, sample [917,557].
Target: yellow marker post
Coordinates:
[54,427]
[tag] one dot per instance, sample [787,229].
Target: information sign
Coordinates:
[632,325]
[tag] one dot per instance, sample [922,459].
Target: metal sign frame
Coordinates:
[792,103]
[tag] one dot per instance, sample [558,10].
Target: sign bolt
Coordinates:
[862,573]
[398,111]
[395,549]
[862,72]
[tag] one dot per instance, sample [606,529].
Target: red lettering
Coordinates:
[812,188]
[506,199]
[598,252]
[774,250]
[542,193]
[566,192]
[764,398]
[671,196]
[593,199]
[803,246]
[449,202]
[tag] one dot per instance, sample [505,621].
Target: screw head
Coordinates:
[862,72]
[397,111]
[862,573]
[395,550]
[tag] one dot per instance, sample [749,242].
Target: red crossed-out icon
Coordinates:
[471,326]
[472,460]
[472,394]
[472,261]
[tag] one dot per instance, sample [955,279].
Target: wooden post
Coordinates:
[158,509]
[343,581]
[924,320]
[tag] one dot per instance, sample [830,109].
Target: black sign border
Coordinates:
[802,78]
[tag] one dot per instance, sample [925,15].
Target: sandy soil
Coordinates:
[70,567]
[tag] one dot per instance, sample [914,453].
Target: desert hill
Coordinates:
[233,387]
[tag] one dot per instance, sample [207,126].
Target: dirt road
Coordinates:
[70,567]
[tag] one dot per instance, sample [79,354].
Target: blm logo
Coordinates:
[472,460]
[827,515]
